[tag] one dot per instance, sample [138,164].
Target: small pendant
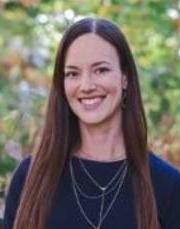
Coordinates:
[103,188]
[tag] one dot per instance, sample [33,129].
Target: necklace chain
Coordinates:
[101,215]
[102,188]
[100,195]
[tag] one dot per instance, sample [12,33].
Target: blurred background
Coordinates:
[30,31]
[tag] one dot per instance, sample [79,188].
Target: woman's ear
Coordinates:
[124,82]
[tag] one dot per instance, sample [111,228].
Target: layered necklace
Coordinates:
[118,178]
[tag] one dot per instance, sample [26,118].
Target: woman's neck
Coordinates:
[101,144]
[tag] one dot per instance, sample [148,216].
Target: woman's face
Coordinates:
[93,80]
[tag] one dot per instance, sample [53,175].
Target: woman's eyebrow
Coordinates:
[93,65]
[71,67]
[99,63]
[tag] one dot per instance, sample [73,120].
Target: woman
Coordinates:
[93,168]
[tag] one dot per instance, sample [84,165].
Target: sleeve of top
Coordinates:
[172,214]
[14,192]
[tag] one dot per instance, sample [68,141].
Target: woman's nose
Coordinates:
[87,83]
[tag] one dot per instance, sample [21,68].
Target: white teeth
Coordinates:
[91,101]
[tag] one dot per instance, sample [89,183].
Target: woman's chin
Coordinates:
[94,121]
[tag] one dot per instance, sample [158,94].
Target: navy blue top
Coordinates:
[66,212]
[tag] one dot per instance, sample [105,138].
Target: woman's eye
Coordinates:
[102,70]
[71,74]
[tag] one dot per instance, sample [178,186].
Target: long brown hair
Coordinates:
[61,135]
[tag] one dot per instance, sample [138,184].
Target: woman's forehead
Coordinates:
[90,48]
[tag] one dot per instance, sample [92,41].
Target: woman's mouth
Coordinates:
[91,103]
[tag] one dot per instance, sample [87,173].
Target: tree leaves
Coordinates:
[30,31]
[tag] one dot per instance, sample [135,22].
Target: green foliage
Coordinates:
[6,164]
[29,35]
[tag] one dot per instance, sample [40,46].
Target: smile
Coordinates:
[91,103]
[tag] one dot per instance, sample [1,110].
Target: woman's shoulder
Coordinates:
[19,176]
[166,183]
[163,170]
[21,169]
[165,176]
[14,191]
[24,164]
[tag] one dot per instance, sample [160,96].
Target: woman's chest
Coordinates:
[72,209]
